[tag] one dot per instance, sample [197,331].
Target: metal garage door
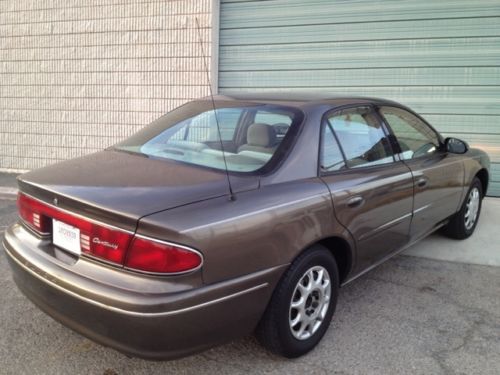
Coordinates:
[441,58]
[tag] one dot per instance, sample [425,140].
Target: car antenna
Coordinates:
[231,195]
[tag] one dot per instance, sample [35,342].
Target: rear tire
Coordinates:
[464,222]
[302,305]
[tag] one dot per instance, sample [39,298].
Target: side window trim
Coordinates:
[325,122]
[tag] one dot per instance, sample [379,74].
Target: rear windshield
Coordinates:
[248,135]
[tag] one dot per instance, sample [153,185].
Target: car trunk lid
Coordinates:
[119,188]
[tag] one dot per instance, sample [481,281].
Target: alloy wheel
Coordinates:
[472,208]
[310,301]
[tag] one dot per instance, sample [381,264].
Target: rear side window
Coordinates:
[361,137]
[414,136]
[331,156]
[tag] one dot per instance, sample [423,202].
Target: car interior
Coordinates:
[249,138]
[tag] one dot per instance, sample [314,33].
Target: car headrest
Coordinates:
[262,135]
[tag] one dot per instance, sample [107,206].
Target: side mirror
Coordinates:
[456,146]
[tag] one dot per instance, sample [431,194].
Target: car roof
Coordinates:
[301,99]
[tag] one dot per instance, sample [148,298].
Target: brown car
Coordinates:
[241,214]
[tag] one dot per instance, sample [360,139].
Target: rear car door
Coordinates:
[438,175]
[372,192]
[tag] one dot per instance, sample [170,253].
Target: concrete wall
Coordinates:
[78,75]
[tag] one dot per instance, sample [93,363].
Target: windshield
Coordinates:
[248,135]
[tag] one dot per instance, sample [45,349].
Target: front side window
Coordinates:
[190,134]
[415,137]
[361,137]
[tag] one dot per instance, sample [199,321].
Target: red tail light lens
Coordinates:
[31,211]
[103,242]
[96,239]
[160,257]
[110,243]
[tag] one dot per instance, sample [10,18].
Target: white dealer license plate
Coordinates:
[66,236]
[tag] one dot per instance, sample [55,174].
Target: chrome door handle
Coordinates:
[422,182]
[355,201]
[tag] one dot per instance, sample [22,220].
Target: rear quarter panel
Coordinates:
[261,229]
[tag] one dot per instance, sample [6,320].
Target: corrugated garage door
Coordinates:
[442,58]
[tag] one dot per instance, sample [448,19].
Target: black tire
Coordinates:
[457,227]
[274,331]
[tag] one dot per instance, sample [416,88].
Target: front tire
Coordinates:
[302,305]
[464,222]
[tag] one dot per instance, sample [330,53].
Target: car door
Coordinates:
[438,175]
[372,192]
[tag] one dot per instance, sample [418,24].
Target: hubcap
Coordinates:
[472,208]
[310,301]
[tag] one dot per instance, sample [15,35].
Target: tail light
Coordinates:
[96,239]
[160,257]
[31,211]
[110,243]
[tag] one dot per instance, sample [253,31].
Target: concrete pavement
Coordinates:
[481,248]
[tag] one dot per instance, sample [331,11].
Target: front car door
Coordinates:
[372,192]
[438,175]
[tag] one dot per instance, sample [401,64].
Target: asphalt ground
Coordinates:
[8,185]
[8,180]
[408,316]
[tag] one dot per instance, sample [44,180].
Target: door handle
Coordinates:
[422,182]
[355,201]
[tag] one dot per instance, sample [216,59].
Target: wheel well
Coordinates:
[341,251]
[483,177]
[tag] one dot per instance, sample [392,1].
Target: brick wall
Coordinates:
[78,75]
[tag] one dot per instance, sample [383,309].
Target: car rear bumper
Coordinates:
[149,323]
